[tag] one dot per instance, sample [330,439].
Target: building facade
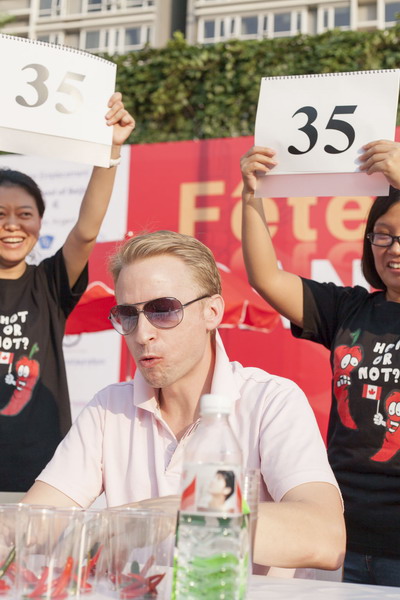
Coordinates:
[113,26]
[210,21]
[120,26]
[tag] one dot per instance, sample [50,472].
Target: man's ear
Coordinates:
[214,311]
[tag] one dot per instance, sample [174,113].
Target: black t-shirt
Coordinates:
[34,403]
[362,332]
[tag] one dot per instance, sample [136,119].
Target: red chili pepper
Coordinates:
[29,577]
[40,588]
[142,586]
[28,374]
[4,587]
[149,562]
[62,581]
[154,580]
[134,591]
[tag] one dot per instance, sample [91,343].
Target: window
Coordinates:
[96,40]
[249,26]
[98,5]
[94,5]
[50,38]
[92,40]
[209,30]
[139,3]
[49,8]
[282,23]
[132,37]
[115,40]
[392,10]
[286,24]
[341,16]
[333,16]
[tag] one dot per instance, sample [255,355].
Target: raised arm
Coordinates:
[281,289]
[305,529]
[82,237]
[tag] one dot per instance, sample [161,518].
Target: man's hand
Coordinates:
[169,504]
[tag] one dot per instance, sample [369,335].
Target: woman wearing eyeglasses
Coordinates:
[35,302]
[362,331]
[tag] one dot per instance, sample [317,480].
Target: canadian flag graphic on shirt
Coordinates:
[372,392]
[6,358]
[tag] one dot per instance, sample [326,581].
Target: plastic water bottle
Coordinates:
[212,533]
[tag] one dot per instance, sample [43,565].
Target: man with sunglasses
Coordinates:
[129,440]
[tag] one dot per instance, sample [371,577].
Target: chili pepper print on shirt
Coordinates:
[17,356]
[369,384]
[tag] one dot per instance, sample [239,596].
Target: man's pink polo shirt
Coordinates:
[121,445]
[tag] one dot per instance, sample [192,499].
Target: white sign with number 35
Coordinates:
[54,100]
[318,124]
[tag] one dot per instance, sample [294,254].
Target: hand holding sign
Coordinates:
[382,156]
[319,126]
[54,101]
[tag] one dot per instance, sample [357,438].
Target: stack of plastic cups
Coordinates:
[11,520]
[57,552]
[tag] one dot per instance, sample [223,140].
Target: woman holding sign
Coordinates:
[362,332]
[35,302]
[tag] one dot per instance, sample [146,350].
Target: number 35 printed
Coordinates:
[337,124]
[67,86]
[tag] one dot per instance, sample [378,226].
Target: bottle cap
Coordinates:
[215,403]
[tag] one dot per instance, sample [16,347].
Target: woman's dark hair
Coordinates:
[229,477]
[10,178]
[379,208]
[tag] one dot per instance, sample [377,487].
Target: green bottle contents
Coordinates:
[211,557]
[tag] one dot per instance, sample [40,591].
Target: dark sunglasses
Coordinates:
[164,313]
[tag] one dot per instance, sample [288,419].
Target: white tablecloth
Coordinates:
[272,588]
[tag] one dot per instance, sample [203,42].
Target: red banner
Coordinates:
[194,187]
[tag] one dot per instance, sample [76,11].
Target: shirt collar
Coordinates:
[223,382]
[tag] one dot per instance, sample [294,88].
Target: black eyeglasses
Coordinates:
[383,239]
[163,313]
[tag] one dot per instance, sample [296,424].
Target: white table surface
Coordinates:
[273,588]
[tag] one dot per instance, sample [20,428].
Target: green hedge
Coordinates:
[183,92]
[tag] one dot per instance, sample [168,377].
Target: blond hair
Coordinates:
[191,251]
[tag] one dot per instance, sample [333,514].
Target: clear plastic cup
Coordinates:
[11,518]
[140,547]
[58,551]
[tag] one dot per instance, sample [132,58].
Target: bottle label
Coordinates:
[212,489]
